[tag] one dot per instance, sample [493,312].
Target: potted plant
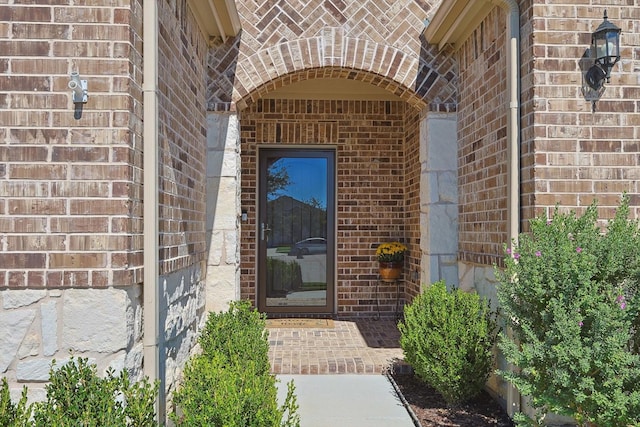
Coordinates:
[391,260]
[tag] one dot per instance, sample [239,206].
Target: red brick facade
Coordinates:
[482,143]
[72,189]
[376,186]
[571,154]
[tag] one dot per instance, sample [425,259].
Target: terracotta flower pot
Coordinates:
[390,271]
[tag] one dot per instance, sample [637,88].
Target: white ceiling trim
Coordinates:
[455,20]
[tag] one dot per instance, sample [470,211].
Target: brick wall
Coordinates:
[71,208]
[412,180]
[579,154]
[482,156]
[381,38]
[375,42]
[71,217]
[183,125]
[73,188]
[570,155]
[376,185]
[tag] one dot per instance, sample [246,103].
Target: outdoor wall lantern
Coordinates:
[605,42]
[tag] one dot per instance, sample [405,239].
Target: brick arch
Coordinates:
[416,79]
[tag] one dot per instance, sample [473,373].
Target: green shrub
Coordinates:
[230,383]
[13,414]
[288,274]
[447,338]
[570,294]
[77,393]
[239,333]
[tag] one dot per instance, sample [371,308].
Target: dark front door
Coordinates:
[296,242]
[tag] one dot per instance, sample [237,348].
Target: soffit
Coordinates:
[216,18]
[455,20]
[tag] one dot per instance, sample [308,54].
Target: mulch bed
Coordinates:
[431,410]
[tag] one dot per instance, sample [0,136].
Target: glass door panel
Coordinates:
[296,243]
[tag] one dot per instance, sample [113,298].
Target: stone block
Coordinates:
[117,364]
[34,394]
[179,308]
[222,203]
[465,273]
[31,343]
[49,320]
[14,326]
[443,229]
[217,128]
[216,246]
[96,320]
[133,361]
[21,298]
[441,140]
[448,187]
[231,247]
[36,370]
[221,287]
[222,164]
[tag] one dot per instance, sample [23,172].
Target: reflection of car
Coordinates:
[312,245]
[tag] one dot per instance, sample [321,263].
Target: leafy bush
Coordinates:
[229,384]
[236,334]
[447,338]
[288,274]
[570,294]
[13,414]
[77,393]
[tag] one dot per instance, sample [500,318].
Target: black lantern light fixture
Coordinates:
[605,41]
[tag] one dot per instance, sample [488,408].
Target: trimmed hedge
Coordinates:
[230,383]
[448,337]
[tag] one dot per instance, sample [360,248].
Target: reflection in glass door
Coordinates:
[296,231]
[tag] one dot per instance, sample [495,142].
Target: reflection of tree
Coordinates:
[277,179]
[314,203]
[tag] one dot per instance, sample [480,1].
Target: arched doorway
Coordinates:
[372,139]
[374,123]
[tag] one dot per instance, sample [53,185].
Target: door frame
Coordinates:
[330,152]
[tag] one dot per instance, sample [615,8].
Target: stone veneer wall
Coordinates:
[439,199]
[223,210]
[372,185]
[71,213]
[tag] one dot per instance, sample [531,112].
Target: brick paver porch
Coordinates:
[350,347]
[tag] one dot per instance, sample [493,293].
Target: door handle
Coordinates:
[263,230]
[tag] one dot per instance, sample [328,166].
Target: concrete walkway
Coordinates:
[338,373]
[346,401]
